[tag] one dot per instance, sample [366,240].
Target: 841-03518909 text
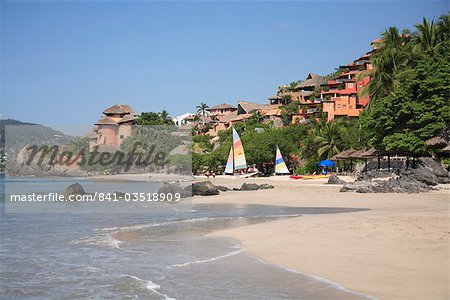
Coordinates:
[97,196]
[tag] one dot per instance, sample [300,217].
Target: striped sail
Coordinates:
[280,165]
[238,151]
[229,167]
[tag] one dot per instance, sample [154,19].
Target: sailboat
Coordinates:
[236,158]
[280,165]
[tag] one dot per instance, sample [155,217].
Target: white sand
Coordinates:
[397,250]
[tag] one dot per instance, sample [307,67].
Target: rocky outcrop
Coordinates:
[333,179]
[74,189]
[393,185]
[204,188]
[170,188]
[249,187]
[427,174]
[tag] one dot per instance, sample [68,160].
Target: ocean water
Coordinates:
[163,254]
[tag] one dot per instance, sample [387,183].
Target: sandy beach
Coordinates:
[399,249]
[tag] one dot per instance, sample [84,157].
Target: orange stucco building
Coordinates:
[341,97]
[112,128]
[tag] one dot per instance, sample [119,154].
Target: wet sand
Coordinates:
[399,249]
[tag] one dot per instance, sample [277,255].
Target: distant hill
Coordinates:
[24,133]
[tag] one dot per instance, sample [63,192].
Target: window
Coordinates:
[350,85]
[338,106]
[345,106]
[121,136]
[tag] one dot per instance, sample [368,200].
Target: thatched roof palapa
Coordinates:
[249,107]
[127,118]
[222,106]
[312,80]
[106,121]
[343,155]
[119,109]
[370,153]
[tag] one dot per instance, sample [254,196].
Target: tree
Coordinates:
[255,118]
[390,62]
[202,110]
[418,110]
[165,118]
[149,118]
[328,140]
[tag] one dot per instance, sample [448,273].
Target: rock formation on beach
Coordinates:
[206,188]
[427,174]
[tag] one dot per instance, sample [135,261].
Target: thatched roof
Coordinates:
[446,149]
[312,80]
[229,117]
[119,109]
[436,141]
[106,121]
[222,106]
[127,118]
[276,97]
[249,107]
[370,153]
[346,154]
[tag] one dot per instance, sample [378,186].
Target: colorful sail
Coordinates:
[280,165]
[230,162]
[238,151]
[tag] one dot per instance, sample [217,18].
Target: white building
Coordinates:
[184,119]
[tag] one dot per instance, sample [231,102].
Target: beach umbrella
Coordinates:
[326,163]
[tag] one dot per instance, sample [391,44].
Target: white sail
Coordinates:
[229,169]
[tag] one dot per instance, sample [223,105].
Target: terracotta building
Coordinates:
[341,97]
[218,112]
[112,128]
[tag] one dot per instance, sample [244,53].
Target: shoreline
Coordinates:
[396,250]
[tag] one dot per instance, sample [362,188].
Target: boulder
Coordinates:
[393,185]
[333,179]
[432,165]
[74,189]
[204,188]
[265,186]
[421,174]
[170,188]
[222,188]
[249,187]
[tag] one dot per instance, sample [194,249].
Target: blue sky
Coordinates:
[64,62]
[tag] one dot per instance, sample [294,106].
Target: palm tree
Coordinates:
[202,110]
[443,28]
[426,39]
[255,118]
[328,140]
[390,61]
[166,119]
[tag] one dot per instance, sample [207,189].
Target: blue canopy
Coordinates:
[326,163]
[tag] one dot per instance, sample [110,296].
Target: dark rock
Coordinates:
[333,179]
[265,186]
[393,185]
[421,174]
[435,167]
[249,187]
[222,188]
[204,188]
[187,192]
[74,189]
[175,188]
